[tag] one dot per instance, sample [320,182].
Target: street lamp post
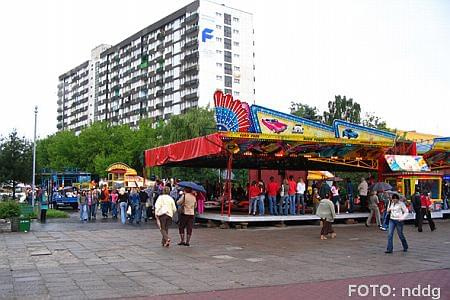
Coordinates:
[33,186]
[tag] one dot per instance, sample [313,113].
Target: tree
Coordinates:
[305,111]
[342,109]
[15,160]
[373,121]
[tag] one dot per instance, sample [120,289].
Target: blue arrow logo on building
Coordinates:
[206,34]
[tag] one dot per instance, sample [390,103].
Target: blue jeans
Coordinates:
[385,223]
[114,209]
[83,212]
[445,203]
[350,202]
[92,211]
[393,224]
[284,205]
[134,212]
[273,205]
[123,212]
[252,205]
[261,205]
[292,204]
[301,200]
[105,206]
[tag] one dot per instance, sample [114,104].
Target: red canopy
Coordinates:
[184,151]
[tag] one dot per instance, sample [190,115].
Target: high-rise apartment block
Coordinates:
[172,65]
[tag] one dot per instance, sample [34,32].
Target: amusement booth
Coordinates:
[122,175]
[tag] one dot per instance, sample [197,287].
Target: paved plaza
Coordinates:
[64,259]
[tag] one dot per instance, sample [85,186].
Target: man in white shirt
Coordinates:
[301,187]
[363,189]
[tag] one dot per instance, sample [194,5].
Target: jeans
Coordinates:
[123,212]
[292,204]
[83,212]
[301,200]
[92,211]
[284,205]
[393,224]
[350,203]
[134,212]
[105,206]
[273,205]
[114,209]
[261,205]
[385,224]
[252,205]
[445,204]
[140,211]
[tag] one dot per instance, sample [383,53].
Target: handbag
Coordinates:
[129,210]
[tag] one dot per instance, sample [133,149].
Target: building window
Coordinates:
[218,39]
[227,31]
[218,14]
[227,19]
[218,77]
[219,51]
[236,55]
[235,31]
[236,93]
[235,19]
[228,81]
[227,44]
[227,56]
[236,80]
[235,43]
[228,91]
[227,69]
[236,68]
[218,27]
[219,65]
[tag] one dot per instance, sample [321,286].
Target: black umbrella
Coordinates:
[381,186]
[192,185]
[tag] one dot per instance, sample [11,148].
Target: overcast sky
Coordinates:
[393,57]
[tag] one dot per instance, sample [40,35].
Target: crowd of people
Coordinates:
[163,202]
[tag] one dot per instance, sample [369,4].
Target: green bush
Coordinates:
[9,209]
[54,213]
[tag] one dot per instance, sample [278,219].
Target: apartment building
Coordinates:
[166,68]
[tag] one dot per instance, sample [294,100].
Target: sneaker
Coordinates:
[388,252]
[405,250]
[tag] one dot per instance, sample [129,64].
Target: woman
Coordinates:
[114,198]
[164,210]
[335,194]
[123,204]
[200,202]
[326,213]
[188,204]
[398,213]
[82,206]
[374,210]
[261,198]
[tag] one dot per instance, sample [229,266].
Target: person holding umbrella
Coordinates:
[188,204]
[398,213]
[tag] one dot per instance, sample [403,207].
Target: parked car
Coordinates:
[349,133]
[298,128]
[274,125]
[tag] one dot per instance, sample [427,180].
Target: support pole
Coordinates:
[228,185]
[33,184]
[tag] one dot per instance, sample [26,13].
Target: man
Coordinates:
[349,189]
[425,205]
[272,190]
[301,187]
[143,197]
[416,205]
[291,193]
[363,189]
[446,194]
[104,199]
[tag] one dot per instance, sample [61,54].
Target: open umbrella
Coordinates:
[192,185]
[381,186]
[334,179]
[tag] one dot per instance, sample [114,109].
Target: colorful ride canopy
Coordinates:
[236,116]
[438,155]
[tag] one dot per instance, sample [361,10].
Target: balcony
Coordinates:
[191,45]
[193,57]
[159,82]
[158,104]
[192,70]
[192,31]
[190,97]
[191,19]
[160,70]
[160,36]
[159,93]
[191,84]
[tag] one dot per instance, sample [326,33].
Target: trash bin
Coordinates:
[15,224]
[24,224]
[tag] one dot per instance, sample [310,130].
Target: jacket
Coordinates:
[189,203]
[363,188]
[325,210]
[398,211]
[373,201]
[165,205]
